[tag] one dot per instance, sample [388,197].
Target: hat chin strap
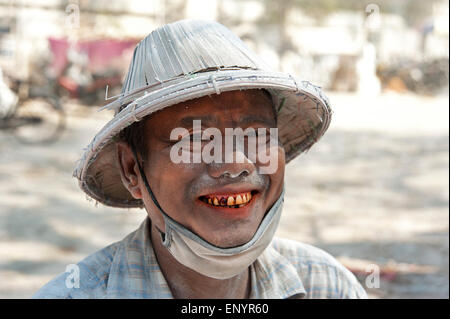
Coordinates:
[147,185]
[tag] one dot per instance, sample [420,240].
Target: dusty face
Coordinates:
[223,203]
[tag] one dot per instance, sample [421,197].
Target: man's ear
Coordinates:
[129,171]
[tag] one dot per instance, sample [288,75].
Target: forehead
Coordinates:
[230,108]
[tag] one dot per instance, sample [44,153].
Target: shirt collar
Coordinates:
[274,277]
[135,272]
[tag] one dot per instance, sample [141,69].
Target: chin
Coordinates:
[228,241]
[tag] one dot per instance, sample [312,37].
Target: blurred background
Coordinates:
[374,192]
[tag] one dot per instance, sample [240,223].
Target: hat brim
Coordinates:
[303,110]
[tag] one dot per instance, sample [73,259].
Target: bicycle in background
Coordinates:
[31,113]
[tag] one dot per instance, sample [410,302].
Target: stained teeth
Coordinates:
[234,201]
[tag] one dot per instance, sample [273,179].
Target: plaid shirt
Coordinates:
[129,269]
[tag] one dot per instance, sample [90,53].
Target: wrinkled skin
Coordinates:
[178,187]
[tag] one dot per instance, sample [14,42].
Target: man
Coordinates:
[200,139]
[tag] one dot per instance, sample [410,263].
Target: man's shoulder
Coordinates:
[303,253]
[86,279]
[321,274]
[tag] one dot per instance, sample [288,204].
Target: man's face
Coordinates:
[189,192]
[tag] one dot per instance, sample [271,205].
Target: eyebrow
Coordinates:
[189,120]
[208,119]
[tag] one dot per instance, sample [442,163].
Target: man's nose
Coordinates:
[231,170]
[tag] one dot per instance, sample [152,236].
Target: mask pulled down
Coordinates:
[220,263]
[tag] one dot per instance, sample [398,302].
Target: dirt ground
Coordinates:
[374,192]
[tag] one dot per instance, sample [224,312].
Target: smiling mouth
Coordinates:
[228,200]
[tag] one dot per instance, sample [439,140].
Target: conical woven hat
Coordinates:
[185,60]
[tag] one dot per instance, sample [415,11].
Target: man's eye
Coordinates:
[263,134]
[192,138]
[262,130]
[195,137]
[180,138]
[200,137]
